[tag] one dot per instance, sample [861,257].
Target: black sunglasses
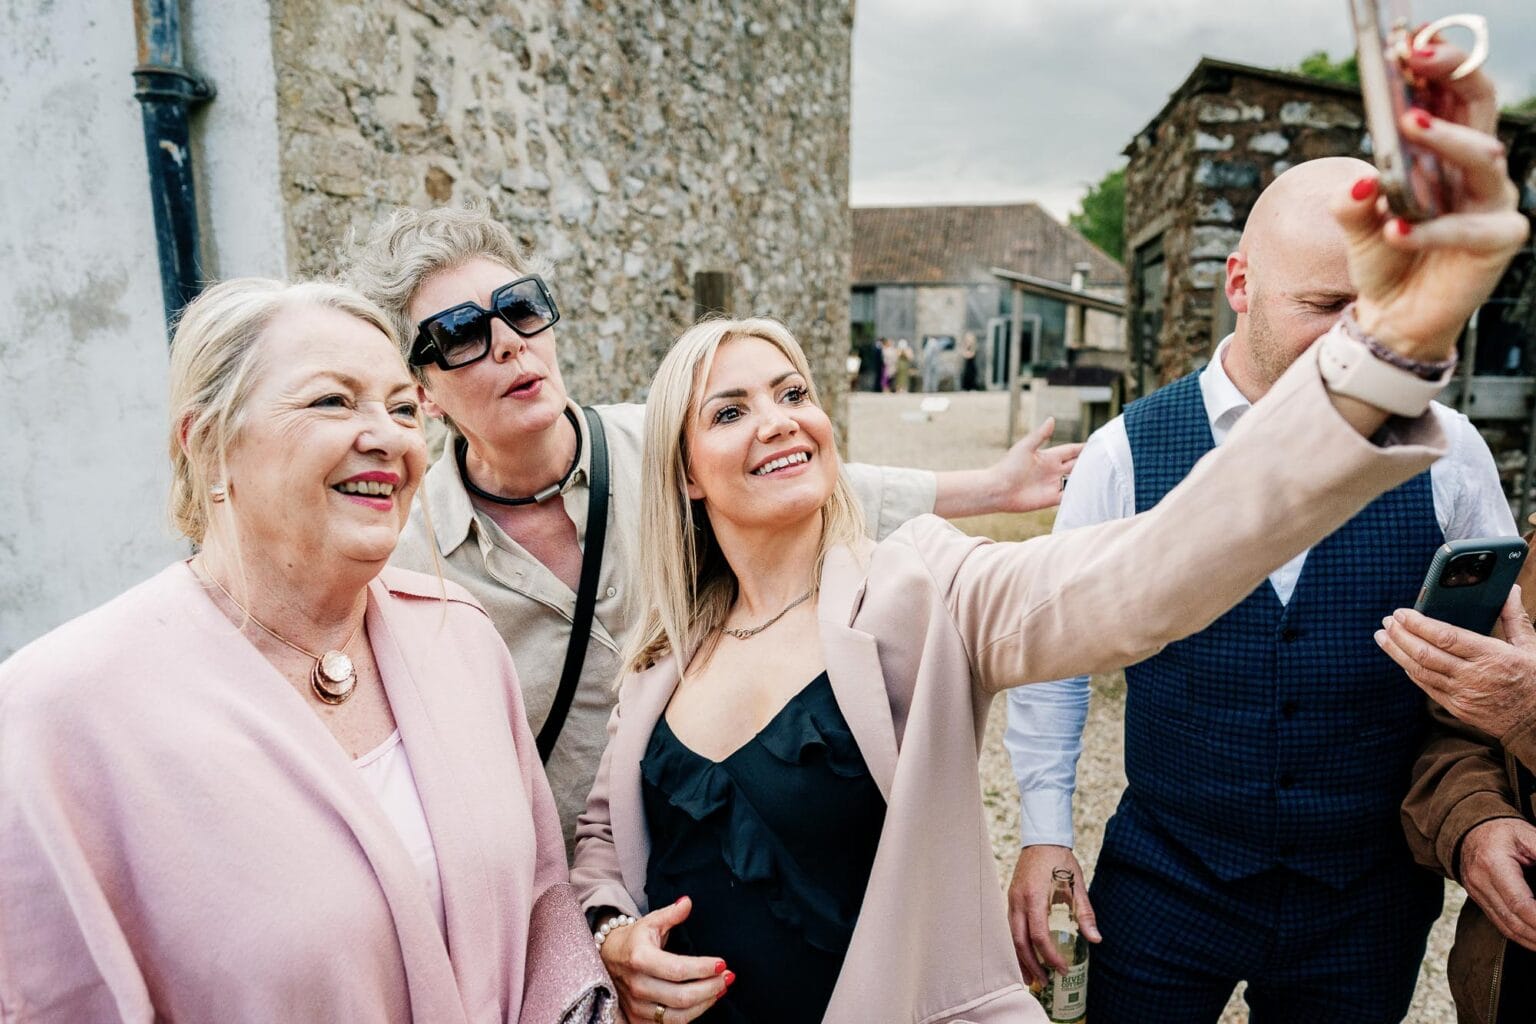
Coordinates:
[460,335]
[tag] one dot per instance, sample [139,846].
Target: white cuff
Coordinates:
[1045,817]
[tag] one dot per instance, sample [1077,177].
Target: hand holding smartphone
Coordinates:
[1469,580]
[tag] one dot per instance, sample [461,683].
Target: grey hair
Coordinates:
[408,246]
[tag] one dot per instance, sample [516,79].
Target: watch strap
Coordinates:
[1350,368]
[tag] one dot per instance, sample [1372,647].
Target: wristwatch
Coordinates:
[1349,368]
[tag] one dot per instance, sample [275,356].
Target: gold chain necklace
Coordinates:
[751,631]
[333,678]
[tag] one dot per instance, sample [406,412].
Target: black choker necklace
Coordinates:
[461,449]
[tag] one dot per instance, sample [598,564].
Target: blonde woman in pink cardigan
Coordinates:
[278,781]
[789,802]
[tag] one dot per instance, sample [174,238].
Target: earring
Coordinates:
[218,492]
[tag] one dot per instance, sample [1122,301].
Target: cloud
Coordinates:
[973,100]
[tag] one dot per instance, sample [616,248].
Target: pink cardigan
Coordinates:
[181,838]
[921,631]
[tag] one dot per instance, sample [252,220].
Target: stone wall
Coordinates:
[633,143]
[1196,170]
[1195,173]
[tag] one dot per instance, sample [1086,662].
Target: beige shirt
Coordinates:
[533,609]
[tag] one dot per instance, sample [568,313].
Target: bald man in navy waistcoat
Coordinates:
[1258,838]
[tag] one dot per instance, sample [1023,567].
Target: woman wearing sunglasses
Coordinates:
[280,781]
[511,493]
[789,801]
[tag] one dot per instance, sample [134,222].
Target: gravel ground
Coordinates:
[889,429]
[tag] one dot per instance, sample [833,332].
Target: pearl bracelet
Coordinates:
[615,922]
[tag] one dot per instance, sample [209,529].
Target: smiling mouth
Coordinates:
[365,488]
[784,462]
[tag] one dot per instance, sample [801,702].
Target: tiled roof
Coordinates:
[961,245]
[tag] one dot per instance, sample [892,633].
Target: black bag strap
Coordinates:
[586,596]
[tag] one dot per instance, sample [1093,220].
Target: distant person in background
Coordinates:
[933,347]
[903,381]
[887,363]
[968,375]
[873,366]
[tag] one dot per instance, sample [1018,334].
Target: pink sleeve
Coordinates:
[596,874]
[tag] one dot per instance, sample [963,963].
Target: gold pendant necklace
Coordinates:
[333,677]
[751,631]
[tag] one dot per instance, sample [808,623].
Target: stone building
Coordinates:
[921,271]
[637,145]
[1194,173]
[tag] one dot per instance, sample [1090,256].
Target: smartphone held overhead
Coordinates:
[1469,580]
[1412,179]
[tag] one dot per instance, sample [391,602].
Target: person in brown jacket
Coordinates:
[1470,813]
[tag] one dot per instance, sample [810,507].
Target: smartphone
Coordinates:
[1411,178]
[1469,580]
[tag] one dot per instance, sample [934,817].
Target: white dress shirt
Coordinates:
[1045,722]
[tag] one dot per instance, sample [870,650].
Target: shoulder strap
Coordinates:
[586,596]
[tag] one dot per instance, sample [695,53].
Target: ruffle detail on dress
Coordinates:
[809,728]
[705,791]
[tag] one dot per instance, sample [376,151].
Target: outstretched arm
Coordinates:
[1297,466]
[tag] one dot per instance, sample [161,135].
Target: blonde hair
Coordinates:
[687,585]
[214,358]
[408,246]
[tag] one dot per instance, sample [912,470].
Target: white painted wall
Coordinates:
[83,358]
[234,138]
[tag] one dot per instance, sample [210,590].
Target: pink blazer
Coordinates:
[922,630]
[182,839]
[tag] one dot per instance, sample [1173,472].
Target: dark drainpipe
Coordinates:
[166,90]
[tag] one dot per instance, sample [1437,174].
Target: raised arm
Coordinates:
[1297,466]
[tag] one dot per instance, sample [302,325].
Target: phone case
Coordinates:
[1474,607]
[1411,178]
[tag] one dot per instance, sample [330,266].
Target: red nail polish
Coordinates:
[1402,226]
[1421,118]
[1364,189]
[1425,53]
[719,966]
[730,978]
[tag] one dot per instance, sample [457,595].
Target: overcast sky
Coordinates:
[996,100]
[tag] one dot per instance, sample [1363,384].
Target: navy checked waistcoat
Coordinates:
[1281,734]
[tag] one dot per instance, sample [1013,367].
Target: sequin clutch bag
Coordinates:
[564,981]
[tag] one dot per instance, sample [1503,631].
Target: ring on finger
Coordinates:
[660,1016]
[1474,23]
